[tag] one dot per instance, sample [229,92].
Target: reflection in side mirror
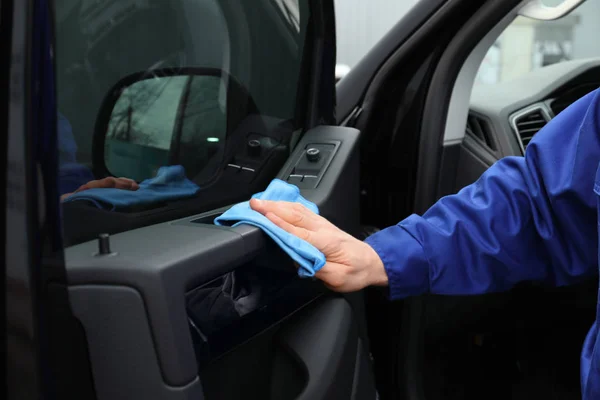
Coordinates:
[166,118]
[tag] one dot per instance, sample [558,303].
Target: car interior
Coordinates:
[492,346]
[497,339]
[164,304]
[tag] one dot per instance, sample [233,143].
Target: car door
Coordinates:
[159,302]
[167,305]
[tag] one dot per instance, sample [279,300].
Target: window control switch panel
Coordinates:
[311,164]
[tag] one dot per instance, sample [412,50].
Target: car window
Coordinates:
[101,42]
[527,44]
[201,85]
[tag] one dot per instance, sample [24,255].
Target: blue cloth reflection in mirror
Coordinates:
[169,184]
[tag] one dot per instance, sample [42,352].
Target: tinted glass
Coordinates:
[211,86]
[100,42]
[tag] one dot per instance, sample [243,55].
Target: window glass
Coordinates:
[291,13]
[100,42]
[147,84]
[527,44]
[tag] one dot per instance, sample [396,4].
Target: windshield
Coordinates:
[527,45]
[259,44]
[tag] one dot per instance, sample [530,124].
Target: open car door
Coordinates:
[155,301]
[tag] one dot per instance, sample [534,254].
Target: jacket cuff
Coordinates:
[404,261]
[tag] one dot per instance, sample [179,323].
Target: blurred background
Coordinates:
[525,45]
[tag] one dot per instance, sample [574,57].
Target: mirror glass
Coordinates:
[167,120]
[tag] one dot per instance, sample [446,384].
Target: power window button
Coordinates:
[295,179]
[310,181]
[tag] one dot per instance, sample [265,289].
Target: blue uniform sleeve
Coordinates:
[529,218]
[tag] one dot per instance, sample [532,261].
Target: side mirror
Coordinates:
[164,117]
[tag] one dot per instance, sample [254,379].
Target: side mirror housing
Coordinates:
[164,117]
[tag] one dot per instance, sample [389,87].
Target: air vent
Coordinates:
[480,130]
[569,97]
[529,124]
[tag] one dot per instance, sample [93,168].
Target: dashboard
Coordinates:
[504,117]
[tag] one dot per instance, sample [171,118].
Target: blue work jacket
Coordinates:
[532,218]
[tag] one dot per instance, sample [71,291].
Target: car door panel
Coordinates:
[316,354]
[121,345]
[185,302]
[325,341]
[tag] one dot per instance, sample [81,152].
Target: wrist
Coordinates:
[377,275]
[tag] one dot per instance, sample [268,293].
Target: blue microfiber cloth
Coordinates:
[305,254]
[170,183]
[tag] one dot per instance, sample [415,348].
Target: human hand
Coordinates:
[350,265]
[110,182]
